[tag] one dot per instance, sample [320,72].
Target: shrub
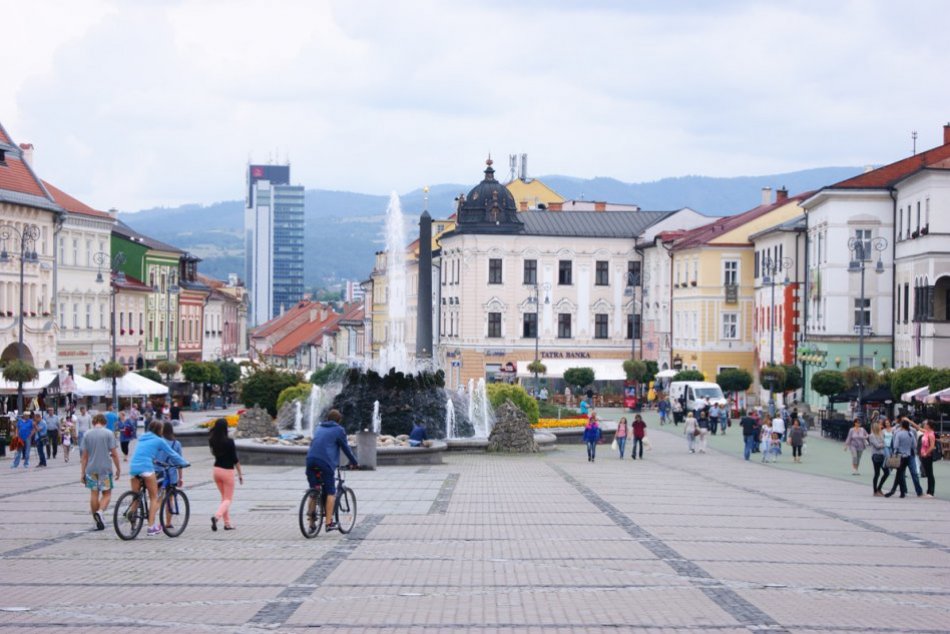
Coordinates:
[329,373]
[536,367]
[689,375]
[773,377]
[635,370]
[263,387]
[150,374]
[498,393]
[793,377]
[112,369]
[579,377]
[866,376]
[906,379]
[734,380]
[828,382]
[299,392]
[168,368]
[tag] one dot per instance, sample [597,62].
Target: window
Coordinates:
[62,252]
[122,323]
[601,276]
[530,271]
[862,244]
[756,265]
[633,273]
[730,326]
[862,312]
[88,252]
[564,326]
[730,272]
[75,316]
[62,315]
[494,271]
[633,326]
[906,302]
[918,217]
[564,272]
[494,325]
[76,251]
[900,223]
[600,326]
[529,325]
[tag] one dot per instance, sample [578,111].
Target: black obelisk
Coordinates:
[424,303]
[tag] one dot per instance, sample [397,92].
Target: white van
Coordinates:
[695,391]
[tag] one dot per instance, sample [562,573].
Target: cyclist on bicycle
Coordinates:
[152,446]
[329,439]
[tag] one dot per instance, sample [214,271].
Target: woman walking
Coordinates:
[592,435]
[621,435]
[856,442]
[796,438]
[225,464]
[691,430]
[903,446]
[126,433]
[878,445]
[928,445]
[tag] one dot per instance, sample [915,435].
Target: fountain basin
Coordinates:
[197,437]
[252,452]
[546,442]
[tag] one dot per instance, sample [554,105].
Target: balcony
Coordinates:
[867,331]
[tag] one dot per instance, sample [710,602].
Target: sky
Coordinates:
[133,105]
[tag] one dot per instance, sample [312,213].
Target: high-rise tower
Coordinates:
[273,241]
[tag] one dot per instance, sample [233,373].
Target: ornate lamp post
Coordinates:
[862,250]
[536,300]
[26,237]
[115,277]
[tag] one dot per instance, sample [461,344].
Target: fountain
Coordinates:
[479,411]
[394,354]
[298,417]
[377,421]
[450,419]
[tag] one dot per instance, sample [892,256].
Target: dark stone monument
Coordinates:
[512,432]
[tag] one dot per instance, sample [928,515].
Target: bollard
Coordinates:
[366,449]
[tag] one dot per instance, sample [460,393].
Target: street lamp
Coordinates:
[536,300]
[862,251]
[27,237]
[115,277]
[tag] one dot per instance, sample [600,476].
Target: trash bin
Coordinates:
[366,449]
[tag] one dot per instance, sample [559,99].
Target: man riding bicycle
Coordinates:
[329,439]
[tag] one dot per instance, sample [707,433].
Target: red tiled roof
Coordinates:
[15,176]
[704,234]
[887,175]
[73,205]
[303,335]
[4,137]
[275,324]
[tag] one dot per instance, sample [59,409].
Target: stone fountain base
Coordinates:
[271,451]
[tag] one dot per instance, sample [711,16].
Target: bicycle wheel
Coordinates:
[128,516]
[345,509]
[311,513]
[175,507]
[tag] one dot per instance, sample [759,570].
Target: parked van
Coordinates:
[696,391]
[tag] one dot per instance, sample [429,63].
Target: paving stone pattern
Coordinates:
[548,542]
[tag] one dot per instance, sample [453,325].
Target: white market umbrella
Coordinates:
[87,387]
[943,396]
[132,384]
[918,394]
[666,374]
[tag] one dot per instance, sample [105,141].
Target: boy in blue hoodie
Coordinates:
[151,446]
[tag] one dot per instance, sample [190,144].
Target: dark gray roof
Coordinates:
[589,224]
[127,232]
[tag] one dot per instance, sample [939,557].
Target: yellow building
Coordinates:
[530,193]
[713,292]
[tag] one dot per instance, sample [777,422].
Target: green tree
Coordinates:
[536,367]
[864,375]
[168,368]
[579,377]
[298,392]
[498,393]
[904,380]
[733,380]
[230,374]
[828,382]
[635,369]
[773,377]
[689,375]
[793,377]
[194,371]
[652,369]
[264,386]
[940,380]
[150,374]
[329,373]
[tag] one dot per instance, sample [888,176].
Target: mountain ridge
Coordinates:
[354,222]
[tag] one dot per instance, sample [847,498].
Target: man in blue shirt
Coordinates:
[329,439]
[112,419]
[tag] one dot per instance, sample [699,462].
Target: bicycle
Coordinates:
[313,509]
[131,510]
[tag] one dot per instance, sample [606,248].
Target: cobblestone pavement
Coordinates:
[548,543]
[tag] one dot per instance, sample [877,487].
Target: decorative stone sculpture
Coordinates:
[255,423]
[512,432]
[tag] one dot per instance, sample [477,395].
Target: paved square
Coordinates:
[548,543]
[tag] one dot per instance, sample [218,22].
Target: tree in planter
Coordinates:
[828,382]
[689,375]
[19,372]
[579,378]
[734,380]
[773,377]
[197,373]
[652,368]
[264,386]
[862,375]
[113,370]
[906,379]
[536,367]
[168,368]
[793,378]
[635,369]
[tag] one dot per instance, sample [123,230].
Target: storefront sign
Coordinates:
[557,354]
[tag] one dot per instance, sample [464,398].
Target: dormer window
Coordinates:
[3,156]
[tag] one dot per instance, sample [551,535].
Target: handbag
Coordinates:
[893,461]
[613,445]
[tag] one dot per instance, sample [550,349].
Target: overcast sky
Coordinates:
[139,104]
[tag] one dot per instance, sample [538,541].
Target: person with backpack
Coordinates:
[127,433]
[929,453]
[592,434]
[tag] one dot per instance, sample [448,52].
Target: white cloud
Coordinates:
[140,104]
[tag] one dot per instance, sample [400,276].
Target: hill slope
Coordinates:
[345,229]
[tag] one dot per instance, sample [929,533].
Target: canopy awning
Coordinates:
[132,384]
[667,374]
[87,387]
[604,369]
[919,394]
[943,396]
[880,395]
[48,380]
